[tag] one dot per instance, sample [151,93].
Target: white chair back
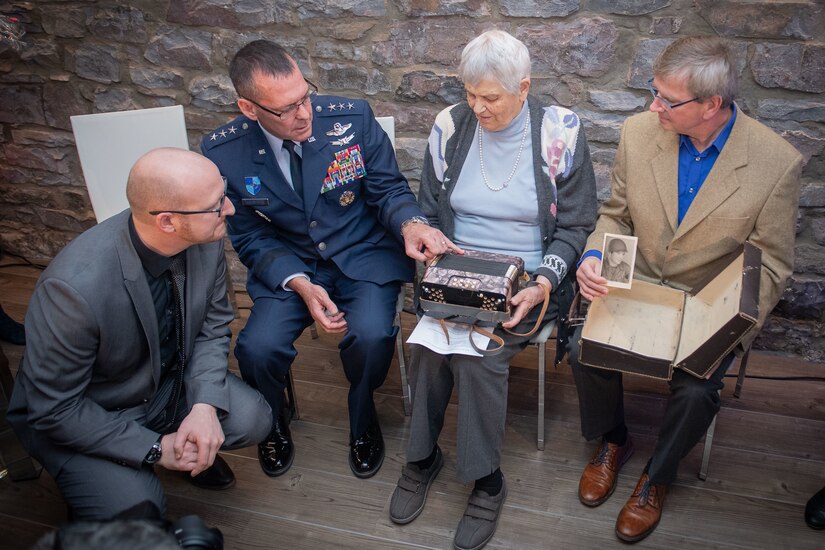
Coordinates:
[388,124]
[108,144]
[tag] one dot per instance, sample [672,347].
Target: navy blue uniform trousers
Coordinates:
[265,347]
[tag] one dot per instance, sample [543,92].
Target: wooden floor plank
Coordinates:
[20,533]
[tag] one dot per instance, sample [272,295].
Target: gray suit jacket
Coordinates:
[92,359]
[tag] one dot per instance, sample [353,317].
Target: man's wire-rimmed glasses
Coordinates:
[290,110]
[668,105]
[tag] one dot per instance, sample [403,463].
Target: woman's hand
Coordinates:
[527,299]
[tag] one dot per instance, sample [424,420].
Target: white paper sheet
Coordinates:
[428,333]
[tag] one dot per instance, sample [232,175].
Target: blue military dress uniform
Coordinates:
[345,235]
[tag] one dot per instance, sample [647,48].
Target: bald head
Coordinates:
[168,179]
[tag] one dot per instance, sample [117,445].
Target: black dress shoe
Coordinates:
[815,511]
[277,452]
[217,477]
[366,454]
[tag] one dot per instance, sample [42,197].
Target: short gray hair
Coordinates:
[495,54]
[706,61]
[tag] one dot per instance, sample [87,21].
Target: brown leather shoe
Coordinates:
[642,512]
[599,477]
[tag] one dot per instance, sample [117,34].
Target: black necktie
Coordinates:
[295,169]
[178,270]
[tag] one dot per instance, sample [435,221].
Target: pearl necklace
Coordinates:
[518,157]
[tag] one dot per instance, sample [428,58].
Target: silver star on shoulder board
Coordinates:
[223,133]
[332,106]
[232,129]
[214,137]
[350,105]
[341,106]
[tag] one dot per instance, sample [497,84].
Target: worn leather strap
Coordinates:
[498,339]
[475,328]
[495,338]
[444,328]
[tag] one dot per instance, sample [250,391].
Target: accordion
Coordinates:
[473,288]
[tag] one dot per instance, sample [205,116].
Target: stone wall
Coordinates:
[591,55]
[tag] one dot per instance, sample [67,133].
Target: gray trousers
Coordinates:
[690,409]
[96,488]
[482,400]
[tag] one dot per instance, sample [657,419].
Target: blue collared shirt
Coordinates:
[694,168]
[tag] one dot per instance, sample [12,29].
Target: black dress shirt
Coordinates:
[156,269]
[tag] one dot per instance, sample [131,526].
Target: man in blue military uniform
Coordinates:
[323,220]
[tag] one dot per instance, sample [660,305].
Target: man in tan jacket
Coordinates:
[693,179]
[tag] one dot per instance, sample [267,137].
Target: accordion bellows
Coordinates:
[474,287]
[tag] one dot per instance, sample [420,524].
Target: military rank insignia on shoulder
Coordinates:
[227,132]
[337,106]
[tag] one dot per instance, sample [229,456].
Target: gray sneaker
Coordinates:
[480,519]
[411,492]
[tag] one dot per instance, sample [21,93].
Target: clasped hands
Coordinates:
[194,446]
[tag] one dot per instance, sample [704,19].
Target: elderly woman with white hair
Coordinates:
[506,173]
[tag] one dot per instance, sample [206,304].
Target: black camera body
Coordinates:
[192,532]
[135,534]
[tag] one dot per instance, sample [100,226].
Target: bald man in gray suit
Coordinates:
[118,375]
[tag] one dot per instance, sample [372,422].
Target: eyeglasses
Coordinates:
[217,210]
[290,110]
[668,105]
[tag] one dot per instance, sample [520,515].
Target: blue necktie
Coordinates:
[295,169]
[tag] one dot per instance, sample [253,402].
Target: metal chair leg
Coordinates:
[399,349]
[703,470]
[740,379]
[542,367]
[402,366]
[292,402]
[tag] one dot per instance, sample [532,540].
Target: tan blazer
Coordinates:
[751,194]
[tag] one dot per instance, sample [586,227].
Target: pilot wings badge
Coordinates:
[339,129]
[343,140]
